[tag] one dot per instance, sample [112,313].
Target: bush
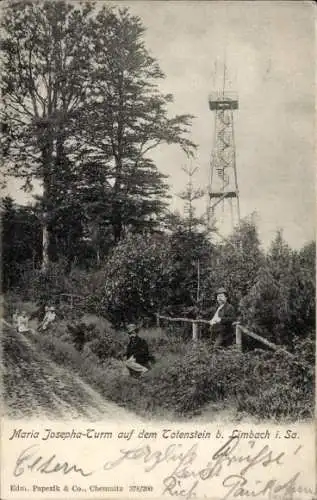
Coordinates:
[107,346]
[282,388]
[281,303]
[63,353]
[236,262]
[43,287]
[162,342]
[262,384]
[136,275]
[92,334]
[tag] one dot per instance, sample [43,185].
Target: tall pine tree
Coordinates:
[127,118]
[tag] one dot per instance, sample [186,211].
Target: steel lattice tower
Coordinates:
[223,192]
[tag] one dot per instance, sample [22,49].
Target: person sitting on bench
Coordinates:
[138,356]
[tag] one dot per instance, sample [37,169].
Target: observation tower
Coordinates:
[223,204]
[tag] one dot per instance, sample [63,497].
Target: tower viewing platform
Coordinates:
[220,100]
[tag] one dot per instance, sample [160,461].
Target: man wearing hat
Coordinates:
[137,354]
[221,323]
[50,316]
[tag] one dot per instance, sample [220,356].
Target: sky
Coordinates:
[269,49]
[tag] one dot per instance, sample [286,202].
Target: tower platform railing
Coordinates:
[226,99]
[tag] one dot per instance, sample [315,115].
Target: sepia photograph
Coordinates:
[158,242]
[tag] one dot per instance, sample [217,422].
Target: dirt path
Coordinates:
[37,387]
[93,405]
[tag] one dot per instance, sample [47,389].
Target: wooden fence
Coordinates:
[194,323]
[239,332]
[70,299]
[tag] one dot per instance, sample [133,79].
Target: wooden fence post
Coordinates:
[157,320]
[238,336]
[195,331]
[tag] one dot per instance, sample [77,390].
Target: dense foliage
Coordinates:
[21,243]
[177,273]
[184,382]
[136,277]
[81,111]
[281,302]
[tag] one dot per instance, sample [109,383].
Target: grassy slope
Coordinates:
[46,376]
[36,386]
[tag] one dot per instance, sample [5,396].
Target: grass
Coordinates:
[185,379]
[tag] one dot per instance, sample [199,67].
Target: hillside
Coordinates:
[46,376]
[36,386]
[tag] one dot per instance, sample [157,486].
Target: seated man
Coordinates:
[137,354]
[221,323]
[49,318]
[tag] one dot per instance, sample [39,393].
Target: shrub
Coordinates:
[236,262]
[162,342]
[107,346]
[262,384]
[92,334]
[280,304]
[136,275]
[61,352]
